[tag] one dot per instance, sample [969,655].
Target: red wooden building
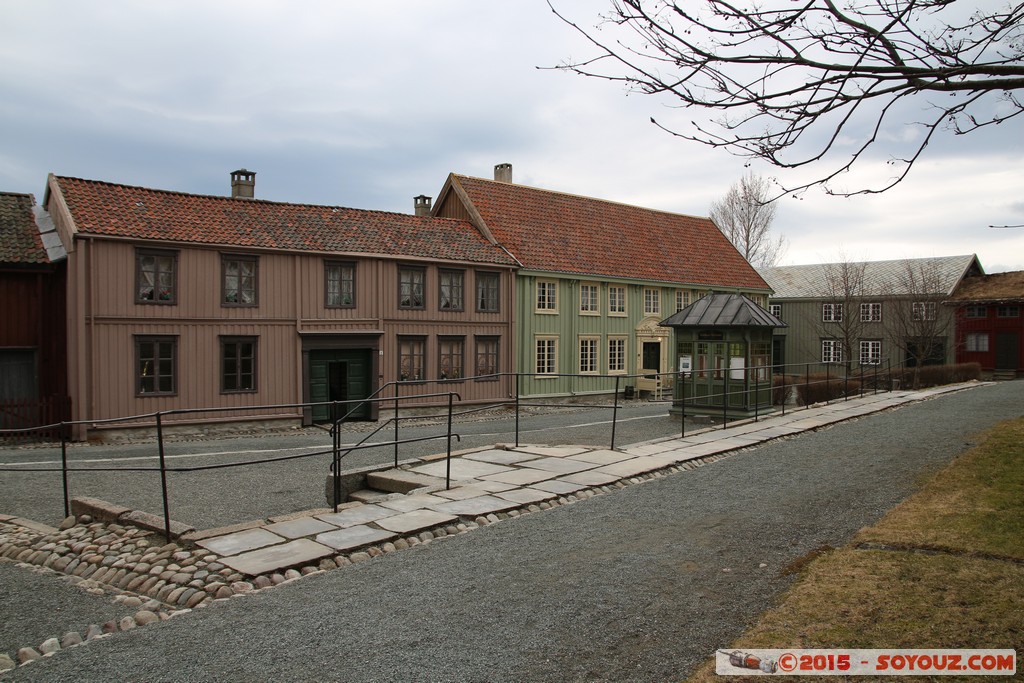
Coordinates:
[989,323]
[33,342]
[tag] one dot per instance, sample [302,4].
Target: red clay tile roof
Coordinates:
[101,208]
[991,288]
[19,235]
[567,233]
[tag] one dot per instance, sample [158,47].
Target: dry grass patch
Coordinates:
[851,598]
[976,505]
[870,599]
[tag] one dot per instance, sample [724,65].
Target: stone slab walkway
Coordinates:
[492,481]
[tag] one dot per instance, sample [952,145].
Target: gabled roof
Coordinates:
[881,278]
[723,310]
[19,235]
[994,288]
[107,209]
[565,233]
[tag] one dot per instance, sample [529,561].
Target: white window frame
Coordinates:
[590,298]
[545,348]
[652,301]
[617,300]
[871,312]
[923,310]
[547,296]
[870,351]
[589,355]
[832,312]
[831,351]
[683,299]
[616,355]
[776,310]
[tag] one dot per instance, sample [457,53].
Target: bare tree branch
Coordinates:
[745,217]
[812,83]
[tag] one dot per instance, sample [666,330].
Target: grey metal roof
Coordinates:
[881,278]
[723,310]
[48,233]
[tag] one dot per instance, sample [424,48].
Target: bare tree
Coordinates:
[745,216]
[919,324]
[841,321]
[818,82]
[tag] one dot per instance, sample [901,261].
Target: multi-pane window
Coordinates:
[237,364]
[488,291]
[1008,312]
[682,299]
[831,351]
[547,355]
[870,352]
[340,283]
[451,285]
[238,280]
[547,295]
[156,365]
[156,276]
[487,356]
[588,355]
[411,354]
[832,313]
[923,310]
[616,354]
[871,312]
[976,312]
[588,299]
[616,300]
[451,352]
[652,301]
[411,287]
[977,341]
[776,310]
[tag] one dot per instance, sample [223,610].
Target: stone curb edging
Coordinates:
[153,575]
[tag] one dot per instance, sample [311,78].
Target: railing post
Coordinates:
[888,367]
[518,376]
[785,391]
[336,455]
[757,392]
[64,467]
[163,477]
[396,425]
[615,411]
[807,385]
[846,384]
[448,459]
[682,406]
[725,393]
[828,385]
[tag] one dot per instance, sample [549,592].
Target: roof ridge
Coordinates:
[583,196]
[228,198]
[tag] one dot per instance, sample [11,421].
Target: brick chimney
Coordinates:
[422,205]
[503,173]
[243,184]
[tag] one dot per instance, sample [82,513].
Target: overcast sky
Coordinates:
[370,104]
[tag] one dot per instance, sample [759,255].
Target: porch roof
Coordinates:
[723,310]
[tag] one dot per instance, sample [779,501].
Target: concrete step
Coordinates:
[369,495]
[1004,375]
[400,481]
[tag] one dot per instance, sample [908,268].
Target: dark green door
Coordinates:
[339,375]
[1007,350]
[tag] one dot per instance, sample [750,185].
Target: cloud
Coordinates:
[370,104]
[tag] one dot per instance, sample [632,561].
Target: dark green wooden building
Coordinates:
[723,348]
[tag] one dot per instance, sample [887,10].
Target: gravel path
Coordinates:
[637,585]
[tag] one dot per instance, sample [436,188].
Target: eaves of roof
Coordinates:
[122,211]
